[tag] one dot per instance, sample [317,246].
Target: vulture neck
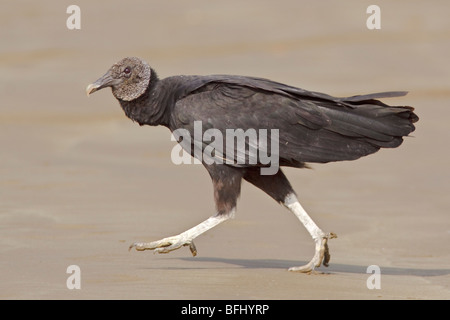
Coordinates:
[151,108]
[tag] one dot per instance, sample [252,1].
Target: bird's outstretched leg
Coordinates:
[279,188]
[322,254]
[183,239]
[227,187]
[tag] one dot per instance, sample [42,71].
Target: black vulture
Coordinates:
[309,127]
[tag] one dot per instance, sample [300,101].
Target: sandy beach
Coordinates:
[79,182]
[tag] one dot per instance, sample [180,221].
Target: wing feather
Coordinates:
[313,127]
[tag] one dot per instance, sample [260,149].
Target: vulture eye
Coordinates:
[127,70]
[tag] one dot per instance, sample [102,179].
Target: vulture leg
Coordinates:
[183,239]
[279,188]
[227,187]
[322,254]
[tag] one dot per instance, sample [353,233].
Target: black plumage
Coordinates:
[313,127]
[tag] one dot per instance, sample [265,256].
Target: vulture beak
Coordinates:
[105,81]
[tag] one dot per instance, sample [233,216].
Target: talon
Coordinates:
[165,245]
[326,256]
[193,248]
[307,268]
[332,235]
[137,245]
[322,255]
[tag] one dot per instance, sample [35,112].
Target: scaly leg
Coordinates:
[227,187]
[279,188]
[321,254]
[183,239]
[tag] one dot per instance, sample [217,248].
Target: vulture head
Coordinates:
[129,79]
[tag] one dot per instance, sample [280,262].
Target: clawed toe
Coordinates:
[322,255]
[326,254]
[165,245]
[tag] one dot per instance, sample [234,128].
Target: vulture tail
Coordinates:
[361,125]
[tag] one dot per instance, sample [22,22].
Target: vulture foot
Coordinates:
[165,245]
[322,255]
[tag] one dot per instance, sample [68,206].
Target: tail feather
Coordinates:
[360,129]
[372,96]
[372,121]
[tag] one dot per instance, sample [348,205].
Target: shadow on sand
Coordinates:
[341,268]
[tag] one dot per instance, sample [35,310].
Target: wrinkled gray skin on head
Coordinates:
[134,84]
[129,79]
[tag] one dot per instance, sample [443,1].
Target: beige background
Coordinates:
[79,182]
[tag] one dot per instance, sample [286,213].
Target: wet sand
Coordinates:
[79,182]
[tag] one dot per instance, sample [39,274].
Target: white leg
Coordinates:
[319,237]
[183,239]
